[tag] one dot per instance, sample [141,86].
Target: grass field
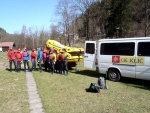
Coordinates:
[13,90]
[61,94]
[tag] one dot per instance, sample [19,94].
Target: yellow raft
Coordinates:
[75,53]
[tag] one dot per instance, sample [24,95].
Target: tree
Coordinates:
[84,7]
[119,20]
[54,32]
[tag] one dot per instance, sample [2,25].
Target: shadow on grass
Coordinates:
[142,84]
[90,73]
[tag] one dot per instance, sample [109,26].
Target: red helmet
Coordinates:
[45,50]
[33,49]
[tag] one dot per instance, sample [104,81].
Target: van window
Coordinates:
[144,49]
[123,48]
[90,48]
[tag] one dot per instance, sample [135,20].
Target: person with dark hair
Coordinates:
[19,59]
[26,59]
[11,58]
[33,59]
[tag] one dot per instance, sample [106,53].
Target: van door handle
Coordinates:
[85,56]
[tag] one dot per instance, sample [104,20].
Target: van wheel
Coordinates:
[114,75]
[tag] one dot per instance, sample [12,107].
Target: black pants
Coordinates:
[26,62]
[64,67]
[40,66]
[45,64]
[52,66]
[58,66]
[18,66]
[10,64]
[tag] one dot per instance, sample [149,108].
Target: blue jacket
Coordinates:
[26,55]
[40,56]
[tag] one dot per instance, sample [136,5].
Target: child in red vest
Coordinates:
[33,59]
[19,58]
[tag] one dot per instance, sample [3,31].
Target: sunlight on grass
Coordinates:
[13,92]
[68,94]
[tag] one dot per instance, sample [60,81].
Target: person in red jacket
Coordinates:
[33,59]
[44,58]
[19,58]
[11,58]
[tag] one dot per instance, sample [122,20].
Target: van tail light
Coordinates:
[96,62]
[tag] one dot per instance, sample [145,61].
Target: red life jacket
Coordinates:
[18,56]
[25,54]
[51,57]
[11,55]
[33,56]
[63,56]
[44,56]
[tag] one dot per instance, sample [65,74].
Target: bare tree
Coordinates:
[64,10]
[54,32]
[83,7]
[23,36]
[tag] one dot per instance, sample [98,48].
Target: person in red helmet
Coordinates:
[33,59]
[64,62]
[52,59]
[11,58]
[44,58]
[19,59]
[26,58]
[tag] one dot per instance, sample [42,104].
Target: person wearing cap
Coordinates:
[64,62]
[44,58]
[26,58]
[19,58]
[39,58]
[52,58]
[11,58]
[33,59]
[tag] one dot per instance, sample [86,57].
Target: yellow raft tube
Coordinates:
[75,53]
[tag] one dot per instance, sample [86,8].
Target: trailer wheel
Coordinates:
[114,75]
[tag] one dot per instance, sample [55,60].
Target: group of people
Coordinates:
[53,60]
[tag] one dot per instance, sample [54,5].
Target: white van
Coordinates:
[124,57]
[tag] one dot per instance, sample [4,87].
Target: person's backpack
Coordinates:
[94,87]
[102,82]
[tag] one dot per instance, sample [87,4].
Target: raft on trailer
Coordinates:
[76,54]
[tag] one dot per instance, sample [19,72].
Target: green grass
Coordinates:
[13,91]
[61,94]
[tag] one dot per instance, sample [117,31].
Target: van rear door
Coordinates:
[143,60]
[89,54]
